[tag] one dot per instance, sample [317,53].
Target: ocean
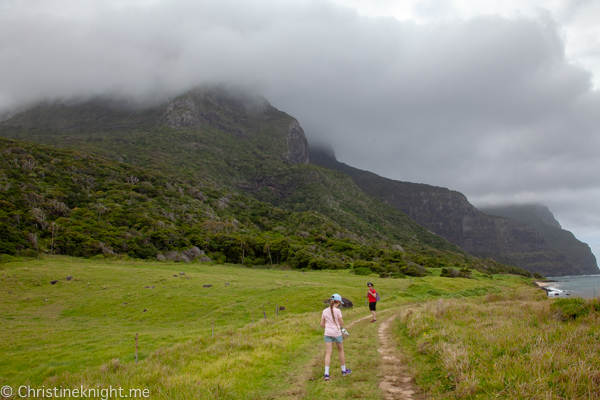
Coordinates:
[575,286]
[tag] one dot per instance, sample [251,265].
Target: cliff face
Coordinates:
[542,220]
[449,214]
[238,114]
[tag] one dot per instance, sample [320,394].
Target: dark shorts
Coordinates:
[372,305]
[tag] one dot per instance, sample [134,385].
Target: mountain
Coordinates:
[66,202]
[542,220]
[226,139]
[236,145]
[219,172]
[448,213]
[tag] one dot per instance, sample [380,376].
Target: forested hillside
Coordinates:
[67,202]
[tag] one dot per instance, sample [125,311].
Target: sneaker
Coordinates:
[346,372]
[326,377]
[374,320]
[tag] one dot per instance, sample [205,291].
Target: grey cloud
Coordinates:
[489,105]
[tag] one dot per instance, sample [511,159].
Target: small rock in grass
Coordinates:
[145,310]
[69,277]
[226,283]
[53,282]
[281,308]
[182,273]
[175,276]
[124,304]
[206,285]
[45,299]
[146,287]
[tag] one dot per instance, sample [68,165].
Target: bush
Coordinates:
[373,266]
[6,258]
[574,307]
[449,273]
[28,253]
[537,275]
[414,270]
[392,275]
[362,271]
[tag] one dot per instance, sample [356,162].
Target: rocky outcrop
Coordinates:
[449,214]
[240,114]
[183,112]
[298,152]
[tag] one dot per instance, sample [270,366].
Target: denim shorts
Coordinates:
[338,339]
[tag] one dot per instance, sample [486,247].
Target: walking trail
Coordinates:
[396,383]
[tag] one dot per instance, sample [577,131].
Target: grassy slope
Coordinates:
[40,316]
[80,332]
[507,346]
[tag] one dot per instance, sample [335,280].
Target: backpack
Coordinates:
[377,296]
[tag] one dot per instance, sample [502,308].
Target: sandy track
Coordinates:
[396,383]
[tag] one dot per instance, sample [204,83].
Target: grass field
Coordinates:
[81,331]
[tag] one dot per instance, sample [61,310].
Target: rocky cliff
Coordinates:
[542,220]
[449,214]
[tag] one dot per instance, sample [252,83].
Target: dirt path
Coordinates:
[396,383]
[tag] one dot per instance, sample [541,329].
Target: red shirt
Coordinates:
[373,298]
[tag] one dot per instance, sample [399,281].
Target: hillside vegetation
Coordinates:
[65,202]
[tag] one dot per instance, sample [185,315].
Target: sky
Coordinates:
[499,100]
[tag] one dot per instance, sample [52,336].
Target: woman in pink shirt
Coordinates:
[332,321]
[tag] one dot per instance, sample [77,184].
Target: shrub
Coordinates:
[414,270]
[28,253]
[362,271]
[574,307]
[373,266]
[5,258]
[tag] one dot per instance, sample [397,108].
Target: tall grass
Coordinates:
[509,346]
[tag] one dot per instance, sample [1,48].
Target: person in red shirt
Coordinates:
[372,296]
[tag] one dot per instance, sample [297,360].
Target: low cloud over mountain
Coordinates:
[485,103]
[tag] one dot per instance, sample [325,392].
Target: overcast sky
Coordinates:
[497,99]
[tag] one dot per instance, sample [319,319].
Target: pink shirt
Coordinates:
[331,326]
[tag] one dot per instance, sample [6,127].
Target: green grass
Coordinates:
[95,316]
[81,332]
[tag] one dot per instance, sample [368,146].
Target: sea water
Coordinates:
[575,286]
